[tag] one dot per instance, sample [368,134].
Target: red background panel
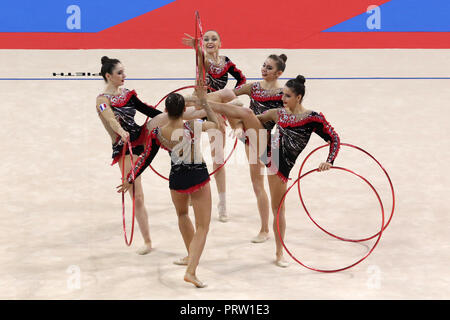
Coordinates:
[242,24]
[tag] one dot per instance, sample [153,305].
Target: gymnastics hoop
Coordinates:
[163,98]
[128,143]
[353,264]
[321,228]
[198,37]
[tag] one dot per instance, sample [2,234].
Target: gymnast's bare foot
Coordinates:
[193,279]
[181,261]
[261,237]
[147,248]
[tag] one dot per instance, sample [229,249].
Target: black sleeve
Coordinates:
[144,108]
[236,73]
[327,133]
[144,160]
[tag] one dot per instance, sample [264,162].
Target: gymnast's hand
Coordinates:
[189,41]
[324,166]
[125,136]
[124,187]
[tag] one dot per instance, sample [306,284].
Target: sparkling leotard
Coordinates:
[262,100]
[217,74]
[292,136]
[187,174]
[124,107]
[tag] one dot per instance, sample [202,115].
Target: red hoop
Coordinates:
[321,228]
[333,270]
[163,98]
[198,36]
[123,193]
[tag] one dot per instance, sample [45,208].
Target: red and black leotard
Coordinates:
[262,100]
[124,107]
[217,74]
[187,174]
[293,134]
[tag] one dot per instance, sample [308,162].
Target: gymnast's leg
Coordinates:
[201,201]
[262,199]
[141,212]
[277,190]
[254,130]
[181,201]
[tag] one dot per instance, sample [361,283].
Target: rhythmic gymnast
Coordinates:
[217,68]
[295,124]
[264,95]
[116,108]
[189,177]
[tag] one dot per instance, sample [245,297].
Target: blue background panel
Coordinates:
[403,16]
[51,15]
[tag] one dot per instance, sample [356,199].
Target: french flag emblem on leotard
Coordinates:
[102,107]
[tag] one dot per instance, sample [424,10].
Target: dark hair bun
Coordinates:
[283,57]
[300,79]
[105,59]
[108,65]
